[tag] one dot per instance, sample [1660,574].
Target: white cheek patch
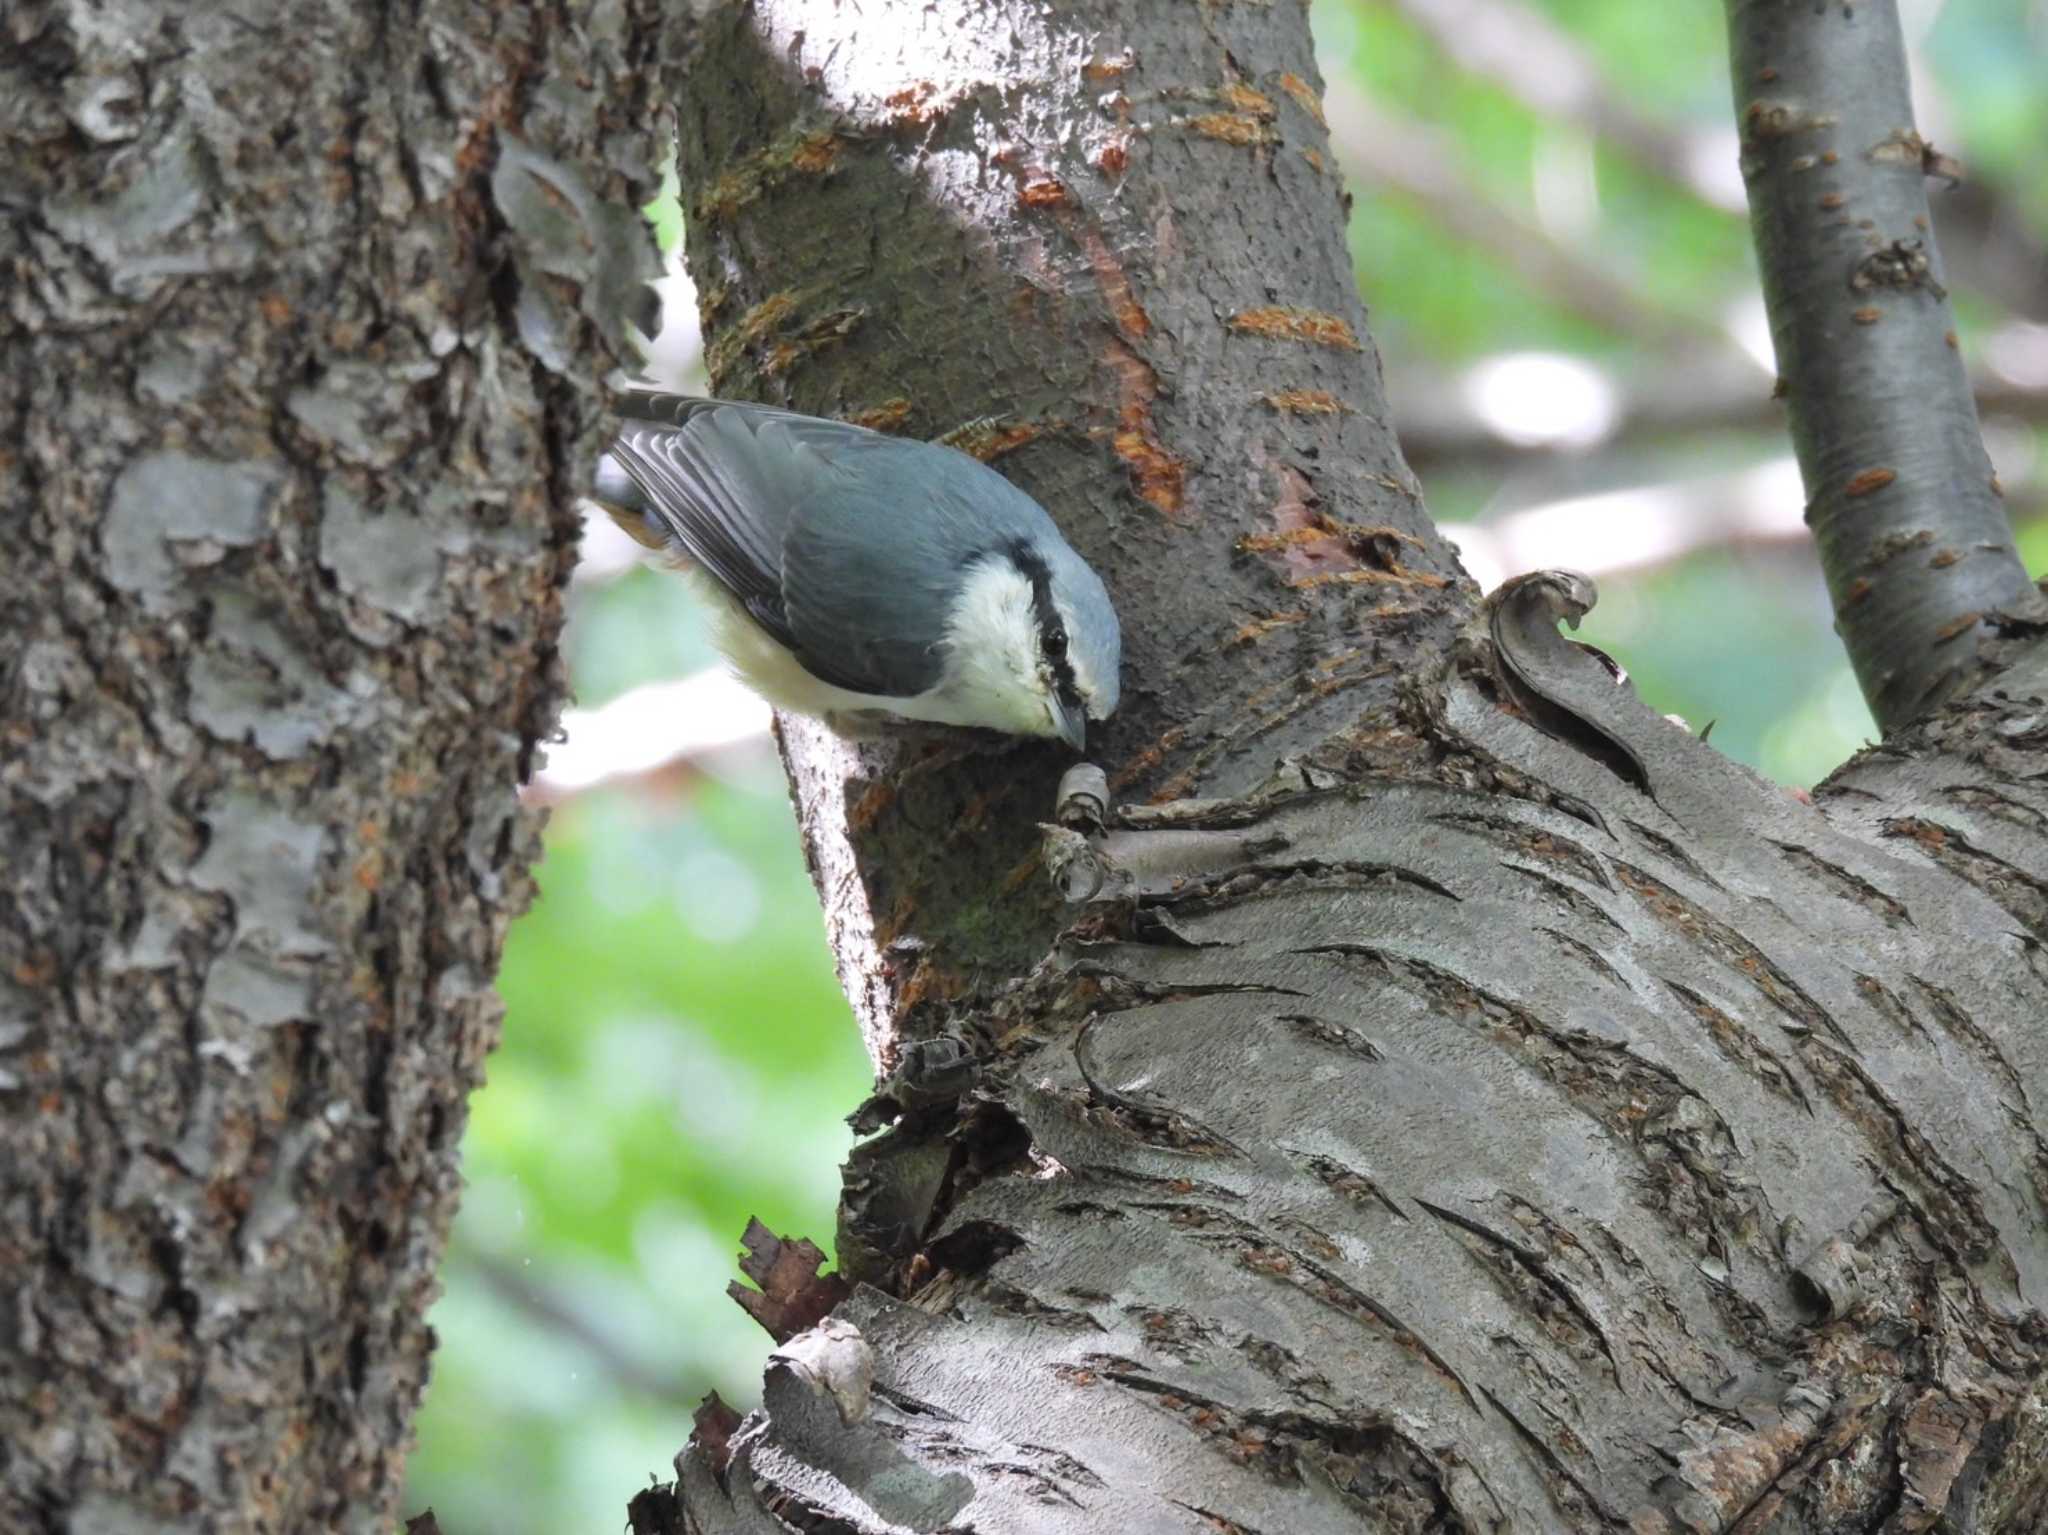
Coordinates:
[991,675]
[992,619]
[992,645]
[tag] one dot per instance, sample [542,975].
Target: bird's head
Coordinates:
[1033,643]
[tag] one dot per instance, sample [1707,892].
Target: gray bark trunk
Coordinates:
[1505,1114]
[1907,514]
[1119,232]
[298,327]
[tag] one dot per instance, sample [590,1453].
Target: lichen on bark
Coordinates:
[302,318]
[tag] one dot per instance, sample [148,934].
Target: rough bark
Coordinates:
[1902,500]
[302,310]
[1121,235]
[1506,1112]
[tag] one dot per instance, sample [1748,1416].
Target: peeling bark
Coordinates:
[1500,1145]
[300,316]
[1459,1099]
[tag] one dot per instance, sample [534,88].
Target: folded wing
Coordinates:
[814,526]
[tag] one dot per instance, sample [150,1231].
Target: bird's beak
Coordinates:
[1070,719]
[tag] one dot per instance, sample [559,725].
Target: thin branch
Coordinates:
[1900,493]
[539,1304]
[1404,156]
[1661,398]
[1550,72]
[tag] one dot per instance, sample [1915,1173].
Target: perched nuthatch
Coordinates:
[852,576]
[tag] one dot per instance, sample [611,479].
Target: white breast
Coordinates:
[991,657]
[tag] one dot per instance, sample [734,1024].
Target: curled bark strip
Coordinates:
[1077,866]
[1174,853]
[715,1423]
[1083,798]
[835,1361]
[793,1294]
[928,1073]
[1567,689]
[1832,1277]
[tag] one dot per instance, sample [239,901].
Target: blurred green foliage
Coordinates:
[677,1056]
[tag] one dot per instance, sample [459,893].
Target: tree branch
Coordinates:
[1452,1124]
[1550,72]
[1900,494]
[1410,158]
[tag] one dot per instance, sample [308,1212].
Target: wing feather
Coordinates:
[864,613]
[692,460]
[871,574]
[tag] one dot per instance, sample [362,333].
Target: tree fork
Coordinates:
[1477,1102]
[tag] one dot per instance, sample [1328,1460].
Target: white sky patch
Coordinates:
[1714,167]
[651,727]
[1543,399]
[1642,525]
[607,550]
[1746,320]
[675,355]
[2018,352]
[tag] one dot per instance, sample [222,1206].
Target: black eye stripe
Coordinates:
[1047,617]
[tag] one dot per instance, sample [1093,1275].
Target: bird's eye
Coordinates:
[1055,642]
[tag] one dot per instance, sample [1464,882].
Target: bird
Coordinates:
[863,579]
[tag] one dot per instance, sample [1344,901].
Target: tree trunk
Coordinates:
[302,309]
[1142,276]
[1468,1101]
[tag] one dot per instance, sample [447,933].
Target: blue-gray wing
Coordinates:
[723,480]
[871,571]
[847,546]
